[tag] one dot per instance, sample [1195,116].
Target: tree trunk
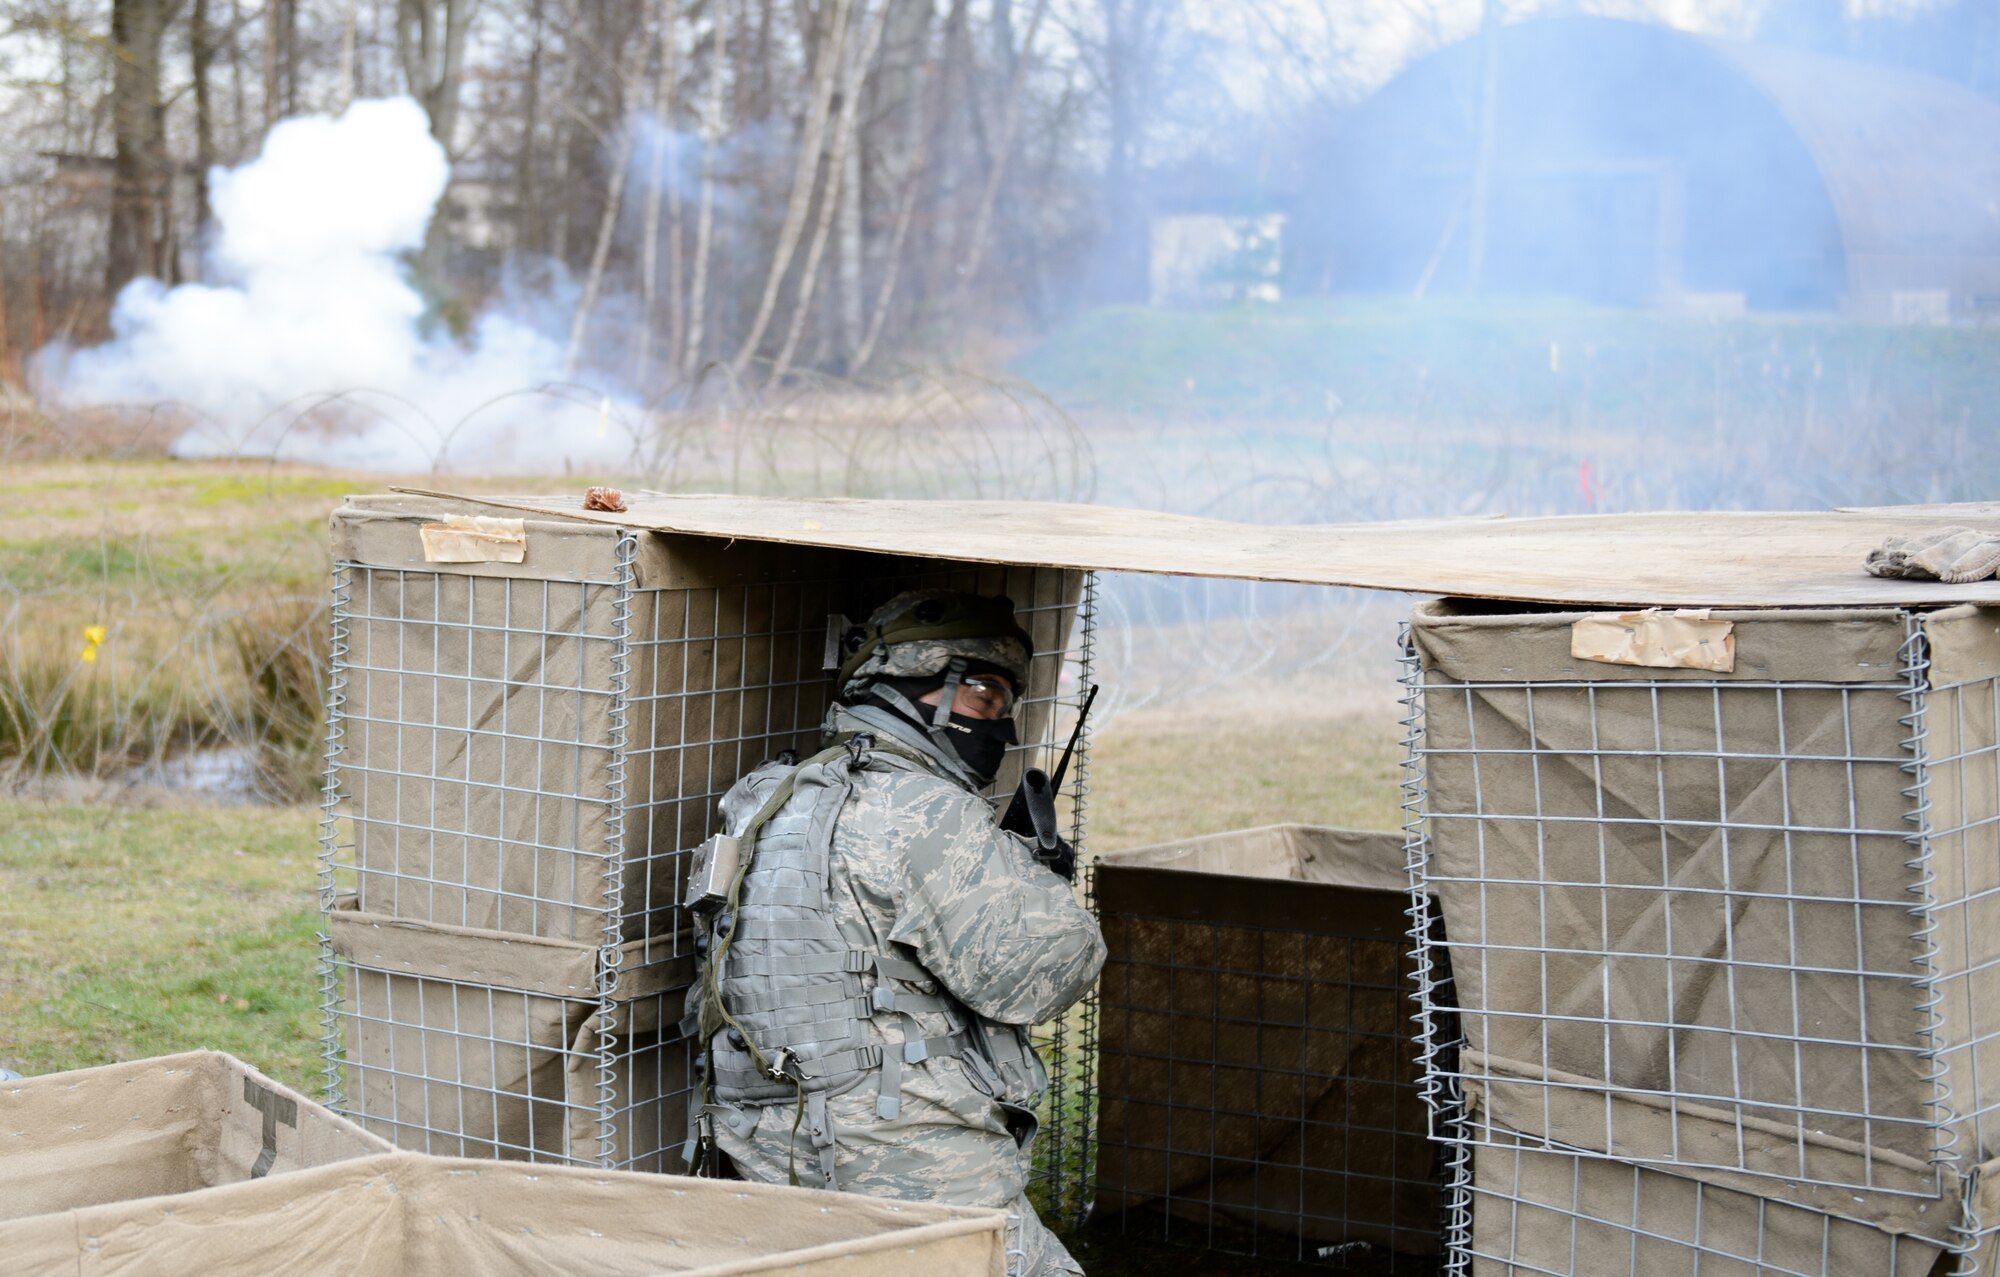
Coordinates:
[140,172]
[237,128]
[913,93]
[714,126]
[1010,116]
[560,141]
[891,267]
[805,177]
[272,36]
[290,11]
[600,252]
[837,163]
[666,69]
[201,55]
[348,37]
[10,367]
[527,189]
[430,43]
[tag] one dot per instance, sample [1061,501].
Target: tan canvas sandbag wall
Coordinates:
[463,1042]
[484,700]
[146,1128]
[406,1215]
[1699,917]
[482,705]
[1549,1214]
[1257,1067]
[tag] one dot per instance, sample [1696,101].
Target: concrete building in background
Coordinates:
[1635,165]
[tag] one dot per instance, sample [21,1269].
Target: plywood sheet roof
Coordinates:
[1716,559]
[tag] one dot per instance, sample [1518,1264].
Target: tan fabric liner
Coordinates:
[1688,559]
[558,968]
[1542,1213]
[507,1074]
[411,1214]
[145,1128]
[1292,852]
[1537,995]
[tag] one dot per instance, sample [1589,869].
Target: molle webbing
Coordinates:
[784,977]
[786,997]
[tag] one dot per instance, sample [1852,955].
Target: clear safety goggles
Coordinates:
[985,696]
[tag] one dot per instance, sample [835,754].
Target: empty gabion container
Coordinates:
[1257,1072]
[399,1214]
[146,1128]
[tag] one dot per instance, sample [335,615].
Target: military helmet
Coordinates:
[919,632]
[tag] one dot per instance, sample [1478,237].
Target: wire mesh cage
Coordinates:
[1259,1083]
[523,750]
[466,1043]
[1541,1213]
[1741,925]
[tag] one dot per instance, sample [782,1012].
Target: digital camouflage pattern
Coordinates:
[920,867]
[922,658]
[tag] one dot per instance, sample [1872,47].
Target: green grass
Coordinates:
[1179,773]
[127,933]
[1552,362]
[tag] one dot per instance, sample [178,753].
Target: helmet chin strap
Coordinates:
[937,724]
[947,699]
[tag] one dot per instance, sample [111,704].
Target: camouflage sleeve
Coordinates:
[1003,933]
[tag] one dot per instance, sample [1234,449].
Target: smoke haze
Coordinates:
[312,345]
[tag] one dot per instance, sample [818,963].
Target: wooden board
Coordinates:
[1700,559]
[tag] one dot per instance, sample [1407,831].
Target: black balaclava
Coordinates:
[980,743]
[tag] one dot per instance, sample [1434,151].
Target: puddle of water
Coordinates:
[226,776]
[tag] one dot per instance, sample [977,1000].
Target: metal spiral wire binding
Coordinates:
[1916,664]
[1084,1146]
[336,731]
[1968,1228]
[1439,1086]
[612,953]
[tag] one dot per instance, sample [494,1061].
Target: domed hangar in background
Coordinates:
[1631,164]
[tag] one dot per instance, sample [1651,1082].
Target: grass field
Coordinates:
[128,932]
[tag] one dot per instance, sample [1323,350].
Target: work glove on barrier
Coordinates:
[1955,556]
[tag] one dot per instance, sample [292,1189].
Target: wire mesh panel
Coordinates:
[471,1044]
[1259,1083]
[1720,921]
[1538,1213]
[530,746]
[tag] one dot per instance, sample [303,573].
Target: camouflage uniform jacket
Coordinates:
[919,866]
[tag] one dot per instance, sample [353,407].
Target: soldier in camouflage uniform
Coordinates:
[865,991]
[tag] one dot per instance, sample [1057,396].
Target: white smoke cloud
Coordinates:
[310,346]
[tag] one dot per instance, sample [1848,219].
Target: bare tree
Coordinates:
[430,44]
[1010,117]
[714,126]
[662,187]
[140,236]
[836,172]
[805,176]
